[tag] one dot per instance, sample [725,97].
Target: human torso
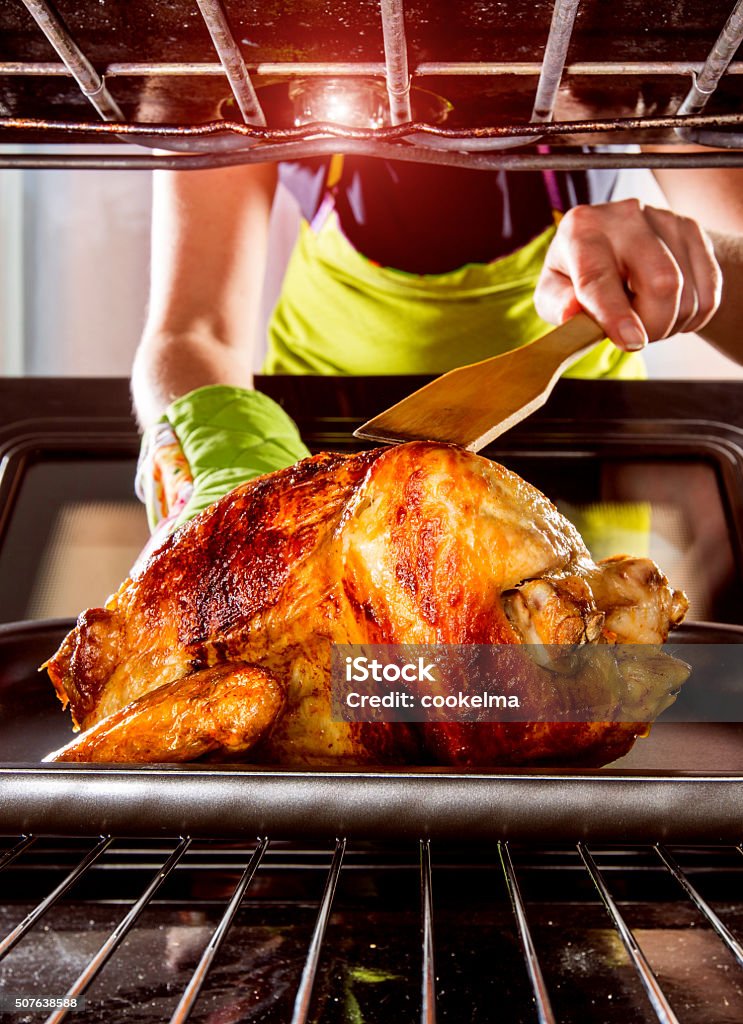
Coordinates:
[416,268]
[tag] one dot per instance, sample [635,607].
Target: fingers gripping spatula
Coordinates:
[472,405]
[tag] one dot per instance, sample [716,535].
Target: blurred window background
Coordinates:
[74,254]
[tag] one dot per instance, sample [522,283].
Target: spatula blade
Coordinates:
[472,405]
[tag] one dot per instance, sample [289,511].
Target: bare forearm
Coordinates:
[713,196]
[169,365]
[724,330]
[209,239]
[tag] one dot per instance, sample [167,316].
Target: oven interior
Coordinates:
[71,528]
[220,927]
[226,930]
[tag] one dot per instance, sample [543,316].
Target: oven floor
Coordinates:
[688,746]
[370,963]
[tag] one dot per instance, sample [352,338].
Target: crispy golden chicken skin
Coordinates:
[227,708]
[417,544]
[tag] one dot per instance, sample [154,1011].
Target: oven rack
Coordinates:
[252,139]
[135,879]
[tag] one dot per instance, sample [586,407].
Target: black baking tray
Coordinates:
[683,783]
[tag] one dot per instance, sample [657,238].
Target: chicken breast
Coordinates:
[423,543]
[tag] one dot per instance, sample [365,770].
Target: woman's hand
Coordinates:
[642,273]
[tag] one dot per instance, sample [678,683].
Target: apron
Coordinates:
[341,313]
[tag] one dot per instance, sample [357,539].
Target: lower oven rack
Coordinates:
[546,925]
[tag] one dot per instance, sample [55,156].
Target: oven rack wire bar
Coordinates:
[397,77]
[235,142]
[303,998]
[15,851]
[191,993]
[545,1013]
[368,69]
[700,903]
[663,1011]
[560,161]
[555,57]
[88,975]
[548,83]
[232,61]
[717,63]
[706,82]
[91,84]
[16,934]
[251,143]
[554,160]
[428,971]
[395,133]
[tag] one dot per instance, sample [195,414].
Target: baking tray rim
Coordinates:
[530,803]
[290,804]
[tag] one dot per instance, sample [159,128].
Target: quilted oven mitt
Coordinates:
[207,443]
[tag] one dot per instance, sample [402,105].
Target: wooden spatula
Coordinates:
[473,404]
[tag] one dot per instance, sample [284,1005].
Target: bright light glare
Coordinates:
[339,108]
[352,103]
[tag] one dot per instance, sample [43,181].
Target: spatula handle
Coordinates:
[527,375]
[567,340]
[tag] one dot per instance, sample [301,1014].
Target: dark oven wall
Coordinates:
[650,468]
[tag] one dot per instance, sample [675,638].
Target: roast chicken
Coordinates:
[219,646]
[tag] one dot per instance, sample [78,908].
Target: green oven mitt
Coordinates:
[207,443]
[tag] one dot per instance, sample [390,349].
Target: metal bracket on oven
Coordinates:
[252,139]
[706,82]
